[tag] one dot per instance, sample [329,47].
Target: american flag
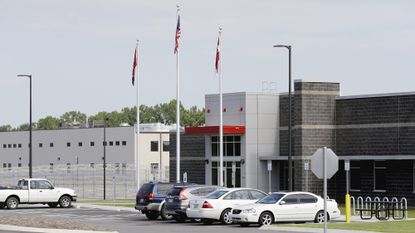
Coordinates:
[178,32]
[217,55]
[134,65]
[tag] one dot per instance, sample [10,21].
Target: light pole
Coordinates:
[30,121]
[290,170]
[105,157]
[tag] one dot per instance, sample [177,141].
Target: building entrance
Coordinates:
[231,174]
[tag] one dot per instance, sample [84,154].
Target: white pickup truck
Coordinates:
[36,191]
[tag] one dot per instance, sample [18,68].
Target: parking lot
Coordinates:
[123,221]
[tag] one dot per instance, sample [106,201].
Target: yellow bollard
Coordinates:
[347,203]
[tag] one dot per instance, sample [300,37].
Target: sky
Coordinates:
[80,52]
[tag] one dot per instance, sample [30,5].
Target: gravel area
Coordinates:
[43,222]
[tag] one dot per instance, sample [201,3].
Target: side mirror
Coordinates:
[282,202]
[51,187]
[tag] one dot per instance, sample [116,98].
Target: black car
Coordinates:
[150,200]
[178,198]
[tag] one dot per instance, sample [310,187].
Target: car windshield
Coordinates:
[271,199]
[216,194]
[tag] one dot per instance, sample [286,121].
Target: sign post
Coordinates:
[306,169]
[324,164]
[347,201]
[269,168]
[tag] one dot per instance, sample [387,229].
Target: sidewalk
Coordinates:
[308,230]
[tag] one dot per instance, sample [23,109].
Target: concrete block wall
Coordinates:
[192,156]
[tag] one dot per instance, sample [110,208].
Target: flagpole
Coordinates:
[177,110]
[137,141]
[221,110]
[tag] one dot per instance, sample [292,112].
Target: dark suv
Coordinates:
[178,198]
[150,200]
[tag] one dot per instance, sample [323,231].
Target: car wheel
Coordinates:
[65,202]
[266,218]
[163,214]
[244,224]
[320,217]
[12,203]
[53,205]
[152,216]
[207,221]
[225,217]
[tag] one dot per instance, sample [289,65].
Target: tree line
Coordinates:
[164,113]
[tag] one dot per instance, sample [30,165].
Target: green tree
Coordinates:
[6,128]
[25,127]
[73,116]
[47,123]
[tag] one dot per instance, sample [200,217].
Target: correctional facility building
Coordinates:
[375,133]
[74,157]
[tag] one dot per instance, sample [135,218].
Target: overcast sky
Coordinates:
[80,51]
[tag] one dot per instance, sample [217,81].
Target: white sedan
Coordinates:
[218,205]
[285,207]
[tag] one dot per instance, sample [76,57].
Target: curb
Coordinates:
[102,207]
[46,230]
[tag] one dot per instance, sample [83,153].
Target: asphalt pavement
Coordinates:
[125,221]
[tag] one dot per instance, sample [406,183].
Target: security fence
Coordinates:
[85,179]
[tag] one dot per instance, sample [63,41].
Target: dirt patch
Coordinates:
[43,222]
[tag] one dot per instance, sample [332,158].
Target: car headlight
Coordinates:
[248,211]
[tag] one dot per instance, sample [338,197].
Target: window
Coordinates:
[4,165]
[19,165]
[154,146]
[355,175]
[51,167]
[68,144]
[92,165]
[68,168]
[9,146]
[231,145]
[19,145]
[4,146]
[117,143]
[40,145]
[166,145]
[14,145]
[257,195]
[238,195]
[111,143]
[104,143]
[40,184]
[51,144]
[92,143]
[80,144]
[379,175]
[291,199]
[305,198]
[124,143]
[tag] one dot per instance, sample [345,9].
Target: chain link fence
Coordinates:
[86,179]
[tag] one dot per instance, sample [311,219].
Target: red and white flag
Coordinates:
[217,55]
[178,33]
[134,65]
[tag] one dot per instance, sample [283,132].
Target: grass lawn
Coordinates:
[384,226]
[391,226]
[119,202]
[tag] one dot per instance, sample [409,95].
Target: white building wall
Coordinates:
[259,113]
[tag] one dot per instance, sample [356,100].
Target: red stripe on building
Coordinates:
[227,129]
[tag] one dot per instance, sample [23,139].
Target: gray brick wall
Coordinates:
[192,154]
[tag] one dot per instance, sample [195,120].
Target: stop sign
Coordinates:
[317,163]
